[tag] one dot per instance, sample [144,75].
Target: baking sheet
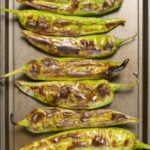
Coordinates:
[15,52]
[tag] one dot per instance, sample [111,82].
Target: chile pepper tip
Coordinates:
[115,70]
[123,65]
[125,62]
[12,119]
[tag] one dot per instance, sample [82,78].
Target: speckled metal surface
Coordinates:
[15,51]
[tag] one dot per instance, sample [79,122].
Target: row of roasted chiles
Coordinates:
[73,86]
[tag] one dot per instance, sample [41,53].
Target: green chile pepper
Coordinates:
[56,1]
[95,46]
[76,7]
[86,94]
[90,139]
[46,23]
[51,119]
[69,69]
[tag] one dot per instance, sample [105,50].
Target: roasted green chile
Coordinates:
[90,139]
[95,46]
[56,1]
[86,94]
[50,68]
[76,7]
[46,23]
[51,119]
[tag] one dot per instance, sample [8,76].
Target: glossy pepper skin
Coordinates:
[86,94]
[51,119]
[76,7]
[95,46]
[89,139]
[46,23]
[50,68]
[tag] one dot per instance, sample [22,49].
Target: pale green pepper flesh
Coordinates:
[76,7]
[89,139]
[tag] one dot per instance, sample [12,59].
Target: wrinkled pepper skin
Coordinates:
[89,139]
[86,94]
[51,119]
[46,23]
[76,7]
[95,46]
[69,69]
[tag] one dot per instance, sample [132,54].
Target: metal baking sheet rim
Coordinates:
[6,89]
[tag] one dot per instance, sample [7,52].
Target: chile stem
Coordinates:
[20,70]
[16,12]
[125,86]
[140,144]
[124,41]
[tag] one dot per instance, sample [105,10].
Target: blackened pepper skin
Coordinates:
[46,23]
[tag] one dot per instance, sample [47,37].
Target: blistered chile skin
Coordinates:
[89,139]
[72,69]
[51,119]
[95,46]
[51,68]
[76,7]
[86,94]
[46,23]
